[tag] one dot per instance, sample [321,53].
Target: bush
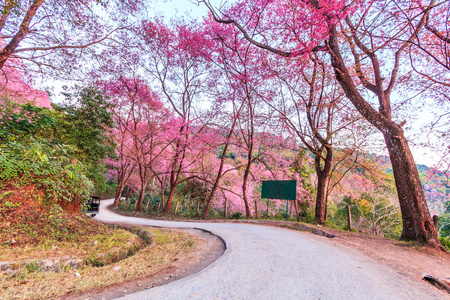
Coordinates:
[236,215]
[445,241]
[370,213]
[51,168]
[22,121]
[151,203]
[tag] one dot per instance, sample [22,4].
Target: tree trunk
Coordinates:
[176,207]
[140,199]
[119,191]
[349,218]
[211,196]
[249,162]
[320,201]
[244,195]
[323,174]
[162,193]
[169,199]
[296,211]
[117,196]
[225,209]
[417,222]
[219,175]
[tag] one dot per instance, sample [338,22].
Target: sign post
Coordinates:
[279,189]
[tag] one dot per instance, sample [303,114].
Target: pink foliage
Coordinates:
[14,88]
[301,25]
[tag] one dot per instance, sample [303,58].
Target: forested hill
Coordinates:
[436,183]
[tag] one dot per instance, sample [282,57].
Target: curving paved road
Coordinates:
[274,263]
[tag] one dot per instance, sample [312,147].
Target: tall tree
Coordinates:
[86,122]
[175,58]
[249,84]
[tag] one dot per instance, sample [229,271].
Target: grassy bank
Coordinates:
[88,258]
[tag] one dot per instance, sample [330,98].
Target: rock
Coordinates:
[4,266]
[435,281]
[49,266]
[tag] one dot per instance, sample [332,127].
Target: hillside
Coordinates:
[436,184]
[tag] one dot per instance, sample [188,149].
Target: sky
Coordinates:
[180,8]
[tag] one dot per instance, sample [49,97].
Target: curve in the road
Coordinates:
[262,262]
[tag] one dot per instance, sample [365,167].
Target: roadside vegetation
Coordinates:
[30,281]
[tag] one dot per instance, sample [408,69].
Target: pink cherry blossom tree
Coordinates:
[141,120]
[33,31]
[176,59]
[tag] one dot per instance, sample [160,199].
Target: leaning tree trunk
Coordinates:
[117,195]
[176,169]
[417,222]
[120,187]
[219,176]
[173,185]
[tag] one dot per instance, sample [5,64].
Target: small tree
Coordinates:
[85,121]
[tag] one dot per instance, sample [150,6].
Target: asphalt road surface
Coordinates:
[262,262]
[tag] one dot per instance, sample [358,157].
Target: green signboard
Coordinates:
[279,189]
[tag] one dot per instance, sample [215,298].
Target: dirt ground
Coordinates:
[405,258]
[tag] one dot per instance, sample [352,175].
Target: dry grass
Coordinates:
[91,245]
[166,247]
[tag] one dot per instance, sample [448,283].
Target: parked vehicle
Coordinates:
[93,206]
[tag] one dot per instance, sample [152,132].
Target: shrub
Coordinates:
[445,241]
[51,168]
[370,213]
[21,121]
[236,215]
